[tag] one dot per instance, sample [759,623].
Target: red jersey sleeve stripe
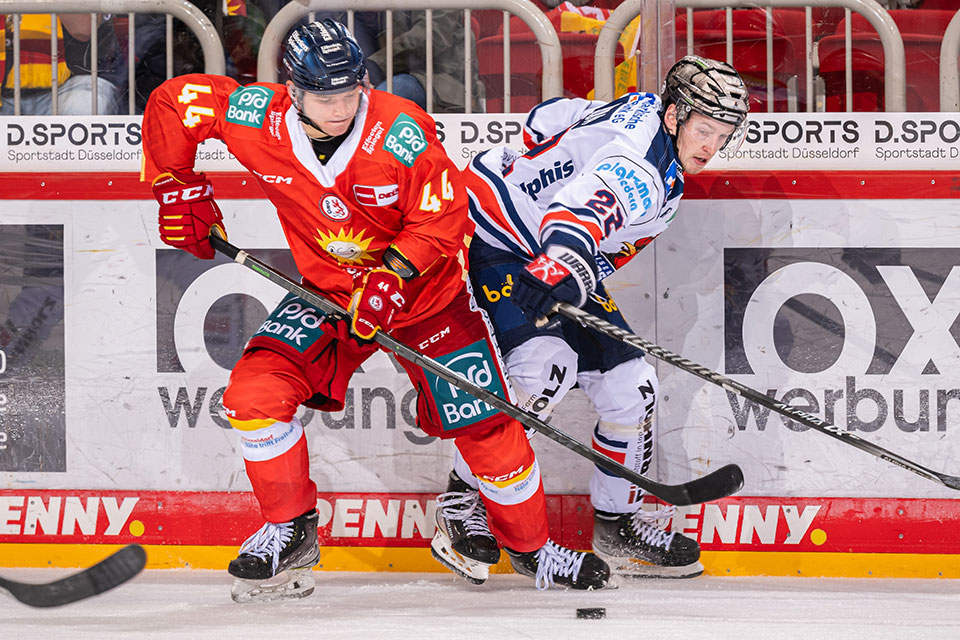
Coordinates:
[562,215]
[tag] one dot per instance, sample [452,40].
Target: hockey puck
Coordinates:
[594,613]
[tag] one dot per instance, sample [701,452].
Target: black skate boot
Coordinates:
[636,546]
[552,565]
[463,542]
[275,548]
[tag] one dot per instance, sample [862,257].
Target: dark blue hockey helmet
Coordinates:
[324,56]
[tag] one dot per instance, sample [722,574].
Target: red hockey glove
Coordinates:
[187,212]
[376,302]
[561,274]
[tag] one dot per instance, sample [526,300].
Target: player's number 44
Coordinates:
[430,202]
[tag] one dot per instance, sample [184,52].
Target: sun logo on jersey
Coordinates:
[344,246]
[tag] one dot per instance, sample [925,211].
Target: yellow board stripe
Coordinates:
[831,565]
[716,563]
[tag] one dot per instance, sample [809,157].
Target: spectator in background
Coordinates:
[111,59]
[239,23]
[74,90]
[410,61]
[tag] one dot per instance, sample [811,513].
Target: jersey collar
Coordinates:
[326,174]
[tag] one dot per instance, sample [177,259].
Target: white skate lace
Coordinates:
[468,507]
[268,541]
[648,526]
[554,560]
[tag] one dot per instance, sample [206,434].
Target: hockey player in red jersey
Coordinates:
[376,219]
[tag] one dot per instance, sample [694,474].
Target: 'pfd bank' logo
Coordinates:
[405,140]
[458,408]
[874,329]
[248,105]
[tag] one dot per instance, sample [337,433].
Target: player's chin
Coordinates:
[336,127]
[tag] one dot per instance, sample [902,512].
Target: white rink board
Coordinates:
[906,312]
[896,305]
[119,434]
[774,142]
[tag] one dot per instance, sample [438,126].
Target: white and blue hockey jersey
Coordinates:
[600,175]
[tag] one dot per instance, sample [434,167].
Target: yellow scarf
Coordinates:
[35,52]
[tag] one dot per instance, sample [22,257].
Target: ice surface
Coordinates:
[193,604]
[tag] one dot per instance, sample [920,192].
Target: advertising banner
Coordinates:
[846,309]
[115,349]
[774,142]
[861,333]
[32,384]
[855,537]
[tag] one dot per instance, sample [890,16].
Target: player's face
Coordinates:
[333,113]
[699,139]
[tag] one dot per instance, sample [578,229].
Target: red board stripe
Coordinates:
[404,520]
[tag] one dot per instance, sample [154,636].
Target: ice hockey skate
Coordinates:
[636,546]
[463,542]
[288,548]
[553,565]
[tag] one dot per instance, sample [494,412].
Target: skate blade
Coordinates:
[636,568]
[472,571]
[298,584]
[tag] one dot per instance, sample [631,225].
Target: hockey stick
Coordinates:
[713,486]
[615,332]
[110,572]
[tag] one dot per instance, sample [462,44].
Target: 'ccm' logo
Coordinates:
[187,194]
[274,179]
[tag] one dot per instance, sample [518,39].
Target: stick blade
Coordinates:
[723,482]
[110,572]
[950,481]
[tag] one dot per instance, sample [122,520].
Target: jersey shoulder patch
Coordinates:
[405,139]
[247,106]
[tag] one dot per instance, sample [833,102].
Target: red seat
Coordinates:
[943,5]
[749,49]
[909,21]
[526,68]
[922,33]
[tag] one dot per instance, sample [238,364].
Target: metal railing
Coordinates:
[196,21]
[895,70]
[949,73]
[552,78]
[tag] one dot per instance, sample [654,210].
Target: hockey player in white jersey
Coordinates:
[600,182]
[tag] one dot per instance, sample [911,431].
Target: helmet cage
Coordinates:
[711,88]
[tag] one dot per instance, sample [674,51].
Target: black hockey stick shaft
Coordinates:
[812,421]
[110,572]
[718,484]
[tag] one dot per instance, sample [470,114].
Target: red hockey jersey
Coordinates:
[389,182]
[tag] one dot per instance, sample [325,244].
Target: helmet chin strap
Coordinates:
[305,119]
[673,136]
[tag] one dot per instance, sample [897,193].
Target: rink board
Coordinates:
[840,537]
[834,291]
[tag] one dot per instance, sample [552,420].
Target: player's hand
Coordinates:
[376,302]
[187,212]
[560,274]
